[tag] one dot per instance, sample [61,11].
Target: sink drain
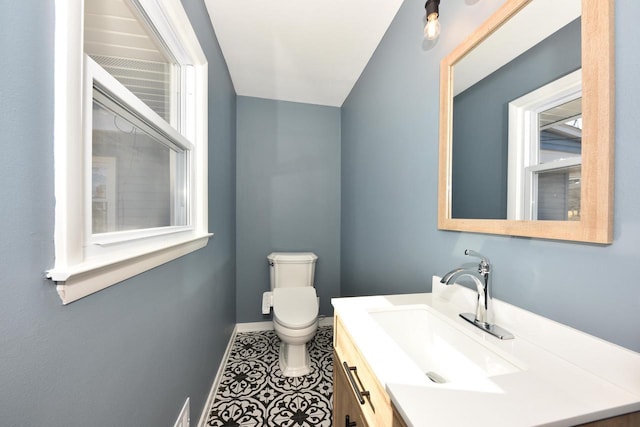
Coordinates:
[435,377]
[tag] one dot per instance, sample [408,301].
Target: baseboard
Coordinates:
[325,321]
[254,326]
[241,327]
[216,381]
[268,326]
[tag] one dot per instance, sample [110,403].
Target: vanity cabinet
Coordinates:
[346,408]
[358,398]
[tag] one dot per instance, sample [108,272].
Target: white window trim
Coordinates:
[524,139]
[75,274]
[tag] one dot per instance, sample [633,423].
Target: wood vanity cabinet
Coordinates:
[346,408]
[358,398]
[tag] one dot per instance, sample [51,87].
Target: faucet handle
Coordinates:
[484,261]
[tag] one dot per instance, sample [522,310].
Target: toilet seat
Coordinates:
[295,308]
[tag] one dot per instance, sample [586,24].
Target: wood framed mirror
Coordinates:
[589,217]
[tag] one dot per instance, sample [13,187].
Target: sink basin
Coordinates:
[440,350]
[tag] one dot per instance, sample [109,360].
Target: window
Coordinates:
[130,141]
[555,177]
[151,170]
[545,146]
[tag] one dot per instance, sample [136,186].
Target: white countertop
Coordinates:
[566,377]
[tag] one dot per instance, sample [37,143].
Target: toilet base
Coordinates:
[294,360]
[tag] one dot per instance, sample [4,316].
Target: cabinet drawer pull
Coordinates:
[348,422]
[359,394]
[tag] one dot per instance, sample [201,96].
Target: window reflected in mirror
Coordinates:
[545,152]
[556,181]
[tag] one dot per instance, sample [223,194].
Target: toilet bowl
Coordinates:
[295,320]
[295,308]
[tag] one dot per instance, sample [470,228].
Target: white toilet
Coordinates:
[295,308]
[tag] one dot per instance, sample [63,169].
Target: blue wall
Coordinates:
[288,195]
[390,242]
[131,354]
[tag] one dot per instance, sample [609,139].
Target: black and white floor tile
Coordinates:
[253,392]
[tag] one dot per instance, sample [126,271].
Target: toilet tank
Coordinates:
[291,269]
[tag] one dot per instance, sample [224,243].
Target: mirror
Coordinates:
[526,136]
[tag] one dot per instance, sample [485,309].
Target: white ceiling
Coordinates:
[309,51]
[509,41]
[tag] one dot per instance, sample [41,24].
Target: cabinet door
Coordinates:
[346,409]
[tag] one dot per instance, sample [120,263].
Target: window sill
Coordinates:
[80,280]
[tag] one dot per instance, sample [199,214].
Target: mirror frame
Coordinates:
[597,52]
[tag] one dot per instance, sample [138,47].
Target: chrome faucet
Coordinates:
[481,275]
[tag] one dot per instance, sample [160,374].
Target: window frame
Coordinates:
[78,271]
[113,92]
[524,142]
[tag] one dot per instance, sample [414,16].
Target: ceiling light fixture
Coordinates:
[432,29]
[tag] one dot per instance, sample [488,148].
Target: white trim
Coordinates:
[556,164]
[524,137]
[325,321]
[115,237]
[255,326]
[200,188]
[216,380]
[85,279]
[268,325]
[172,21]
[68,51]
[77,271]
[184,413]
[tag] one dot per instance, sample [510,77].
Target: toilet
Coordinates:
[295,308]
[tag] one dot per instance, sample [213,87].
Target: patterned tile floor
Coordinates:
[253,392]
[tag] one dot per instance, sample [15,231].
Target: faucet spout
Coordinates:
[456,273]
[480,273]
[481,280]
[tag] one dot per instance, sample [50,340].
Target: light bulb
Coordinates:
[432,29]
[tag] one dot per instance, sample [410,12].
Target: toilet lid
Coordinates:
[295,307]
